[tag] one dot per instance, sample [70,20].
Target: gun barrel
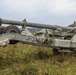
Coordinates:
[29,24]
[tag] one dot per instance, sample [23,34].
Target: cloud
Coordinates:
[61,7]
[50,11]
[21,5]
[65,7]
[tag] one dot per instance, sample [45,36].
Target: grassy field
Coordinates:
[23,59]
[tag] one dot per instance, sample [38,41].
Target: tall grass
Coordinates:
[23,59]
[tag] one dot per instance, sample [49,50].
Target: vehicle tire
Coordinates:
[55,51]
[2,29]
[12,29]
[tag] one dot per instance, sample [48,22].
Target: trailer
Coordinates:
[54,36]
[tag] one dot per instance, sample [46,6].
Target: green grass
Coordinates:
[23,59]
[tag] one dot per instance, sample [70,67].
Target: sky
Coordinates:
[55,12]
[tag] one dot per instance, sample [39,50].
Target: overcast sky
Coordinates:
[59,12]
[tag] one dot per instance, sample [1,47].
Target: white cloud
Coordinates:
[21,5]
[61,7]
[65,7]
[48,11]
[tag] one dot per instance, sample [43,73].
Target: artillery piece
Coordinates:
[57,37]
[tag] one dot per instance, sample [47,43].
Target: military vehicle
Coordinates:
[61,39]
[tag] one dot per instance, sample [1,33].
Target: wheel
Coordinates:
[55,51]
[2,29]
[12,29]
